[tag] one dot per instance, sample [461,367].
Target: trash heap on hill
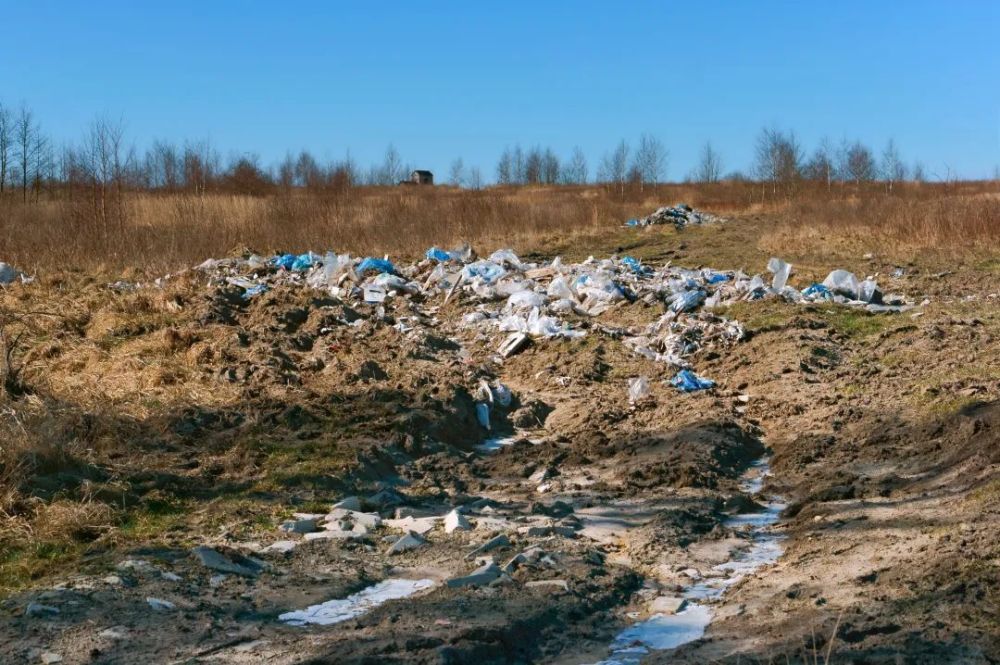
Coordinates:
[525,300]
[680,215]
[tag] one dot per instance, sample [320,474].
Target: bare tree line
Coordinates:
[102,166]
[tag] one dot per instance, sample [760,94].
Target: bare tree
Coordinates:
[6,143]
[550,167]
[519,177]
[918,172]
[533,166]
[650,160]
[475,178]
[457,172]
[575,171]
[28,143]
[820,166]
[778,158]
[858,164]
[893,168]
[709,166]
[614,166]
[392,167]
[505,168]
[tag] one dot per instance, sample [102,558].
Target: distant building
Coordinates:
[422,178]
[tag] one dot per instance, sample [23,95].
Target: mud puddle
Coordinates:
[661,631]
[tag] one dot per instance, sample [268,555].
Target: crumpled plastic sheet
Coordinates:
[687,381]
[374,264]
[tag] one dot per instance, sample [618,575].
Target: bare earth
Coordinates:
[203,420]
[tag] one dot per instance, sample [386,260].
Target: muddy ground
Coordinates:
[150,421]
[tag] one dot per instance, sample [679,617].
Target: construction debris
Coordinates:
[680,215]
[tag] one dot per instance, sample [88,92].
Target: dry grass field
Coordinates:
[156,233]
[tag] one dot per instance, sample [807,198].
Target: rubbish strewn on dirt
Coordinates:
[680,215]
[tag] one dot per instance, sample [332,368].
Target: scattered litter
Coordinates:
[687,381]
[335,611]
[638,389]
[51,658]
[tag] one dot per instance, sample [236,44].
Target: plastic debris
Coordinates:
[781,271]
[369,264]
[680,215]
[687,381]
[638,389]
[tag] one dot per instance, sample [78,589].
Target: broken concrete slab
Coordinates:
[333,535]
[410,541]
[215,560]
[480,576]
[456,521]
[335,516]
[420,525]
[514,343]
[351,503]
[299,526]
[491,544]
[548,584]
[666,605]
[281,546]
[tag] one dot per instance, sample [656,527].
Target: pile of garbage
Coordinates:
[680,215]
[531,301]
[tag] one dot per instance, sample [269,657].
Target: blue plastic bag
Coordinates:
[686,301]
[303,261]
[687,381]
[438,254]
[284,261]
[487,270]
[378,265]
[715,277]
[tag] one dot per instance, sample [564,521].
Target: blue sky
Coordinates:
[441,80]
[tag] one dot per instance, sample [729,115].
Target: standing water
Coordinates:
[663,631]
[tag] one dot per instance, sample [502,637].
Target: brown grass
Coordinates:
[158,233]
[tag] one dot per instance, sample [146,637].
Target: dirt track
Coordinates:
[884,430]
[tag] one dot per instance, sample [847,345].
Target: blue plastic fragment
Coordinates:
[254,291]
[687,381]
[632,222]
[438,254]
[303,261]
[716,277]
[488,271]
[633,264]
[378,265]
[817,292]
[686,301]
[284,261]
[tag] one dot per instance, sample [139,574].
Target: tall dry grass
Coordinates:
[158,233]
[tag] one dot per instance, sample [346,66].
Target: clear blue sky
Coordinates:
[441,80]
